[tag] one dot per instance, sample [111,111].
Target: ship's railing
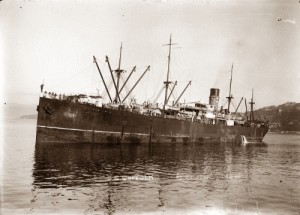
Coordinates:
[83,99]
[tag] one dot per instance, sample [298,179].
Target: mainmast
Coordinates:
[168,82]
[230,96]
[252,103]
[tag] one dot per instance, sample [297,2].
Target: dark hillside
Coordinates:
[285,117]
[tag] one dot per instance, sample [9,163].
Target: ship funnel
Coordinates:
[214,97]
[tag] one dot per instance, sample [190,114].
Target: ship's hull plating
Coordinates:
[63,121]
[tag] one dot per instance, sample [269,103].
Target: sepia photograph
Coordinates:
[120,107]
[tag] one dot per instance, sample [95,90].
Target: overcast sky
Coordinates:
[55,41]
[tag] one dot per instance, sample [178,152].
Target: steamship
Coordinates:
[87,119]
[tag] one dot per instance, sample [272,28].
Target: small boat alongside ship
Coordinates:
[88,119]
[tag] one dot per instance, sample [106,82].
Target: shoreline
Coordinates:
[284,132]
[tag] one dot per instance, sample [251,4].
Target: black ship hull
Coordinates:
[65,121]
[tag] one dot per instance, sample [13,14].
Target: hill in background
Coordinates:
[14,111]
[285,117]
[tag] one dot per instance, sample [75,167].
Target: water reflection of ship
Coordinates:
[83,118]
[101,170]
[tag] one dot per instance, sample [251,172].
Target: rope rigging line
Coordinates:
[233,106]
[159,83]
[158,95]
[224,104]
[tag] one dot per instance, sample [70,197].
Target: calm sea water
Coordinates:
[167,179]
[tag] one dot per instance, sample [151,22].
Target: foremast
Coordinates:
[116,83]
